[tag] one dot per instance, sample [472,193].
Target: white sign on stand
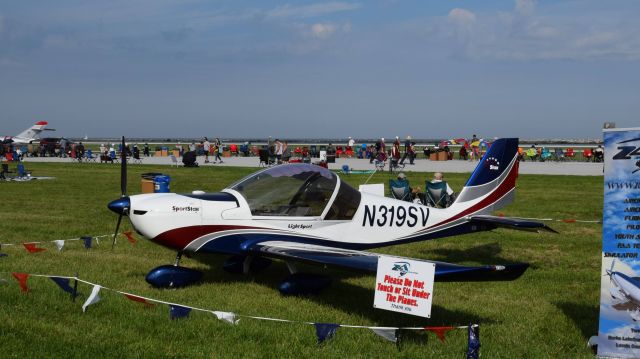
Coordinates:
[404,285]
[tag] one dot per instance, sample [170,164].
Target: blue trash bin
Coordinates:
[161,184]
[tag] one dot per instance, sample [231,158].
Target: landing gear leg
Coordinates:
[178,257]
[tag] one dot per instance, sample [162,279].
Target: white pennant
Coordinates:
[59,243]
[227,317]
[93,298]
[388,334]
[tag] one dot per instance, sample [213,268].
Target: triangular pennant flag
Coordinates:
[32,247]
[227,317]
[59,243]
[22,280]
[177,311]
[390,334]
[473,349]
[129,236]
[137,299]
[439,331]
[63,283]
[93,298]
[325,331]
[87,242]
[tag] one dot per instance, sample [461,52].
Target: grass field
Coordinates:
[549,312]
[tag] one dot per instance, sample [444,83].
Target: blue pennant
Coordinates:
[473,351]
[87,242]
[177,311]
[63,283]
[325,331]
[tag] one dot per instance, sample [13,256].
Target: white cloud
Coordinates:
[525,7]
[323,30]
[308,11]
[462,17]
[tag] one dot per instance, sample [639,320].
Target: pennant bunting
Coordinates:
[87,242]
[325,331]
[129,236]
[390,334]
[439,331]
[63,283]
[32,247]
[94,298]
[473,349]
[228,317]
[22,280]
[177,311]
[59,244]
[137,299]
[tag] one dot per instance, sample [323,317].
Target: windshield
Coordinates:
[294,190]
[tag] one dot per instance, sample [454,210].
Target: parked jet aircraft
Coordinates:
[303,212]
[29,135]
[625,292]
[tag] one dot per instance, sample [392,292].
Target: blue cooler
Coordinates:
[161,184]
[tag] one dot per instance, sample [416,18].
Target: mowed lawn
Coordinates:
[549,312]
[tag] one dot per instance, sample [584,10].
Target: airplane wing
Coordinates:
[626,305]
[368,261]
[511,223]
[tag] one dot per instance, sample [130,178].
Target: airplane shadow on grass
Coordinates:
[583,315]
[483,254]
[342,295]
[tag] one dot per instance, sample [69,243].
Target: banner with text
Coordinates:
[618,334]
[404,285]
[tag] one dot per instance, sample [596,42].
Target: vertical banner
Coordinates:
[619,333]
[404,285]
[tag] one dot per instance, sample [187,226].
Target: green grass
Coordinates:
[549,312]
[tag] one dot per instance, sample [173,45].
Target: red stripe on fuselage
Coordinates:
[179,238]
[507,185]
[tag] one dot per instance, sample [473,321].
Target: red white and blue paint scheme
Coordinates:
[303,212]
[29,135]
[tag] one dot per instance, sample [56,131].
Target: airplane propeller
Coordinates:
[122,204]
[610,271]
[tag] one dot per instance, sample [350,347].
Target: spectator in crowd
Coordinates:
[279,150]
[63,147]
[475,148]
[412,152]
[395,150]
[379,147]
[192,147]
[145,150]
[598,154]
[217,148]
[407,144]
[207,147]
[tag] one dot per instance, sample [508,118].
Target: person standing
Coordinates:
[279,150]
[207,148]
[217,147]
[407,145]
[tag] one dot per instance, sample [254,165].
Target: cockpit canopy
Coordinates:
[298,190]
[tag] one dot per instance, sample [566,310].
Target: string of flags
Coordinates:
[324,331]
[87,241]
[565,220]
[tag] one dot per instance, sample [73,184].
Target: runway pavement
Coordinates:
[421,165]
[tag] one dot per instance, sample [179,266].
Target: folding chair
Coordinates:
[400,190]
[265,159]
[22,173]
[436,194]
[174,161]
[89,155]
[5,170]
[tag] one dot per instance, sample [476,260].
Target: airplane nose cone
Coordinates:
[120,205]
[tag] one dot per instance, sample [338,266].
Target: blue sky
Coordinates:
[443,69]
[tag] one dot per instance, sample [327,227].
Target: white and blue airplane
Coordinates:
[625,292]
[306,213]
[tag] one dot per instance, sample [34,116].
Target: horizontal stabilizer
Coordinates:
[368,262]
[512,223]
